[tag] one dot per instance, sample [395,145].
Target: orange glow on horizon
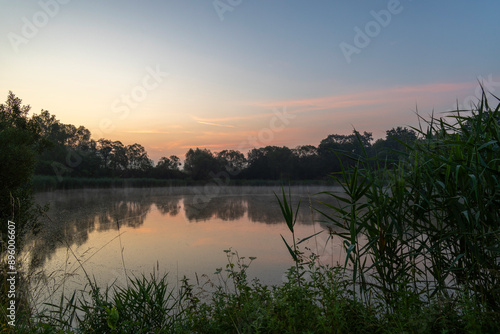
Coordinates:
[314,119]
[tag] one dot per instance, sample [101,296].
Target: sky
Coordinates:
[237,74]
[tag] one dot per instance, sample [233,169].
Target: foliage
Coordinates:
[20,141]
[146,304]
[231,305]
[233,162]
[429,229]
[396,145]
[270,162]
[72,152]
[201,164]
[321,302]
[290,220]
[354,144]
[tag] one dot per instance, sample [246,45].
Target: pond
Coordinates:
[110,234]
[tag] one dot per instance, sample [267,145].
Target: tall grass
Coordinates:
[428,228]
[146,304]
[229,304]
[290,220]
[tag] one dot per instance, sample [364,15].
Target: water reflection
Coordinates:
[266,209]
[74,215]
[225,208]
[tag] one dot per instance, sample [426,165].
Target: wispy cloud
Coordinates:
[215,124]
[210,122]
[370,98]
[230,118]
[373,98]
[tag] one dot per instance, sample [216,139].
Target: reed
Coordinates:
[427,228]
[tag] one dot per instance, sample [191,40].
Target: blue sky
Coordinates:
[234,64]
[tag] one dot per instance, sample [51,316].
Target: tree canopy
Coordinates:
[20,142]
[71,151]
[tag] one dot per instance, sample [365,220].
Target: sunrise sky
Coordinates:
[236,74]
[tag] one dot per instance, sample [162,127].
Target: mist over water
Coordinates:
[114,233]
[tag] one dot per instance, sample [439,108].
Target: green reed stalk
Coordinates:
[290,220]
[431,221]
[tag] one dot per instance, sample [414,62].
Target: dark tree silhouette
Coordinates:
[20,141]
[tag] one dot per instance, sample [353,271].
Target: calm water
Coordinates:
[182,231]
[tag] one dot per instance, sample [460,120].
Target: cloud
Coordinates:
[368,98]
[210,122]
[372,98]
[215,124]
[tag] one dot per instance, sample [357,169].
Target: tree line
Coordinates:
[70,151]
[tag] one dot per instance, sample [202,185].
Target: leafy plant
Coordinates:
[290,220]
[428,227]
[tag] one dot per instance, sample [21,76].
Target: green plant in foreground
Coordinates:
[290,220]
[428,228]
[318,305]
[147,304]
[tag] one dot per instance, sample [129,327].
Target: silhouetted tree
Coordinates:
[307,162]
[168,168]
[344,148]
[20,141]
[71,151]
[119,158]
[138,160]
[395,145]
[104,149]
[270,162]
[232,161]
[74,153]
[172,163]
[200,164]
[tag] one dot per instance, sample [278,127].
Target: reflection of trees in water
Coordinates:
[124,213]
[74,215]
[266,209]
[232,210]
[225,208]
[76,232]
[260,208]
[168,205]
